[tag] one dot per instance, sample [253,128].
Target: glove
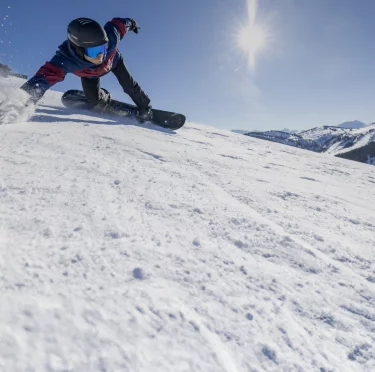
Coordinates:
[133,25]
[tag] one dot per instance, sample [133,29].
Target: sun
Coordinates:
[252,37]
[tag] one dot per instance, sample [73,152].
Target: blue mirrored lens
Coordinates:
[93,52]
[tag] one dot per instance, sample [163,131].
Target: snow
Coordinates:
[13,102]
[364,140]
[328,139]
[124,247]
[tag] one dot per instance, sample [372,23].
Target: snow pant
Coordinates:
[95,95]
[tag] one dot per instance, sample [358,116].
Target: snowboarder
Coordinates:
[91,52]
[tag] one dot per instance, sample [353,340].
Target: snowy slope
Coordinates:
[129,248]
[366,136]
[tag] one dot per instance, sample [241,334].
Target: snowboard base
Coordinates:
[76,99]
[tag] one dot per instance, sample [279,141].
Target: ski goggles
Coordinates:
[93,52]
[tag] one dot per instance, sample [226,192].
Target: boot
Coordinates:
[141,99]
[145,114]
[105,99]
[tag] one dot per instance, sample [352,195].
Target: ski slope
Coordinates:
[125,247]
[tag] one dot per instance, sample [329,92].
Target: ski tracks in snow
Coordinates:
[363,301]
[145,250]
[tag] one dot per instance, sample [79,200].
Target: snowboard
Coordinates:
[76,99]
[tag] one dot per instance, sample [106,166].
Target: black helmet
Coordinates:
[85,33]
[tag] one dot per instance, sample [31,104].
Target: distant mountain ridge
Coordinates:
[351,140]
[356,124]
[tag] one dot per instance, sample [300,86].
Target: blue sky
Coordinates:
[316,67]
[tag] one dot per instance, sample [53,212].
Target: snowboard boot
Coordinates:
[145,114]
[141,99]
[105,99]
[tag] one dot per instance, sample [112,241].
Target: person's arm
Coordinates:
[49,74]
[118,27]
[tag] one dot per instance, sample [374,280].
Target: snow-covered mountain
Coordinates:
[352,124]
[289,130]
[239,131]
[242,131]
[124,247]
[339,141]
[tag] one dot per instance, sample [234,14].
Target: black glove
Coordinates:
[132,24]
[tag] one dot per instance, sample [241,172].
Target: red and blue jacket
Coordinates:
[67,61]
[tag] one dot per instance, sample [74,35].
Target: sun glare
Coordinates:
[252,37]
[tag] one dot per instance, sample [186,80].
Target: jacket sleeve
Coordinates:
[49,74]
[116,29]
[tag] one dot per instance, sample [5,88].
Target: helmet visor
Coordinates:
[93,52]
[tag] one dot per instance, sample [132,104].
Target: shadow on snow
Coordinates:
[47,114]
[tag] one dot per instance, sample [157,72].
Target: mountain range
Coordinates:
[350,140]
